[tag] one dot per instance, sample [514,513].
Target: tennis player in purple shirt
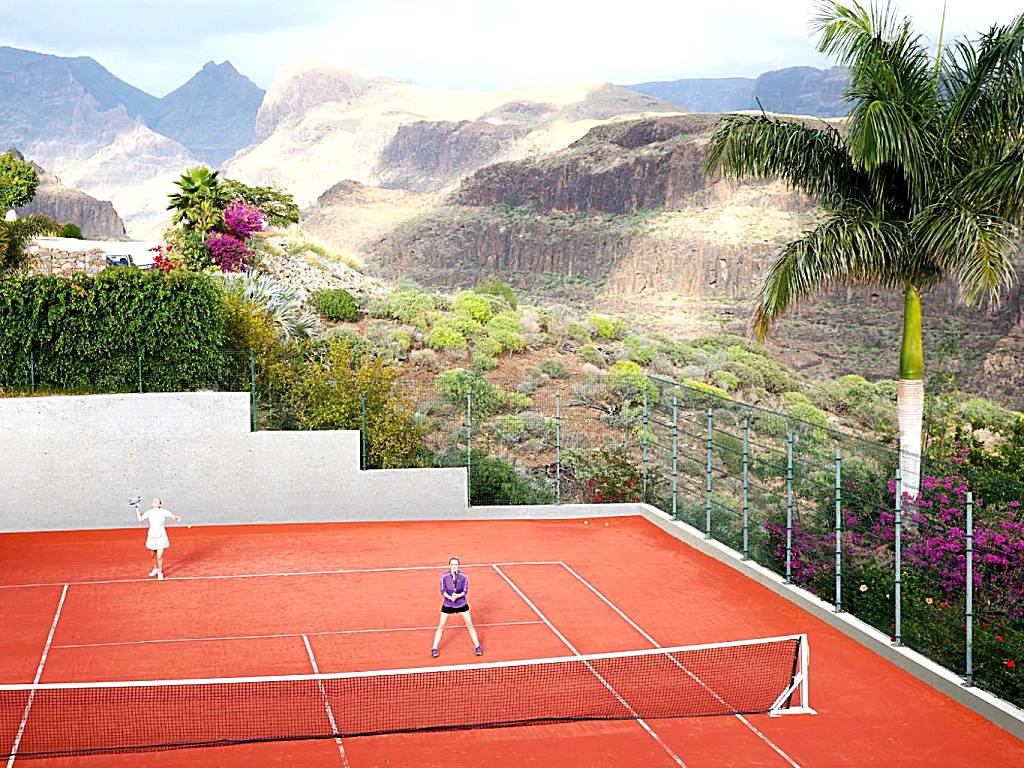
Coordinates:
[454,586]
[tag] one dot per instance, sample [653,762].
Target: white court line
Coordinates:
[606,684]
[289,634]
[327,703]
[656,644]
[438,568]
[39,674]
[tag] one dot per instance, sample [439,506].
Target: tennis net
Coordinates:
[744,677]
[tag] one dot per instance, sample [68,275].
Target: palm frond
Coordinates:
[848,248]
[996,186]
[813,160]
[976,248]
[16,235]
[846,30]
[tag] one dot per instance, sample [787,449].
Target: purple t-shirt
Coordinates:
[450,587]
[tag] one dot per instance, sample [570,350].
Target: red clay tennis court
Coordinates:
[286,600]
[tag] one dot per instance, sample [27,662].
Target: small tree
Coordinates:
[18,182]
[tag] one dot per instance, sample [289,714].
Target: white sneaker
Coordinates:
[159,575]
[154,572]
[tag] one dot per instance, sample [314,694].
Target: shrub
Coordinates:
[446,335]
[425,358]
[508,429]
[228,253]
[533,379]
[589,353]
[516,401]
[604,475]
[761,370]
[330,396]
[488,346]
[484,362]
[705,388]
[495,481]
[408,306]
[474,306]
[607,327]
[640,350]
[455,384]
[554,368]
[336,304]
[402,339]
[577,332]
[506,330]
[496,287]
[70,230]
[725,380]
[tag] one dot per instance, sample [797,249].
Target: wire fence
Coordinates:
[942,573]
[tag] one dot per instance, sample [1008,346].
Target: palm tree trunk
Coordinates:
[910,397]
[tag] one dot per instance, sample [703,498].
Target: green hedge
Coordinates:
[87,333]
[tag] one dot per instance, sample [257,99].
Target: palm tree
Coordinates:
[16,234]
[925,182]
[200,202]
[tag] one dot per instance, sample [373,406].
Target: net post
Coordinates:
[362,430]
[746,487]
[643,445]
[675,455]
[469,449]
[969,608]
[789,507]
[708,481]
[32,371]
[839,529]
[139,369]
[558,445]
[898,581]
[252,390]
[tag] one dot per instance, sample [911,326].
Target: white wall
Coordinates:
[73,463]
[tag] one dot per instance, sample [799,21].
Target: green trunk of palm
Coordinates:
[910,399]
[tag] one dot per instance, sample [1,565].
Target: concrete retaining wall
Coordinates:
[73,463]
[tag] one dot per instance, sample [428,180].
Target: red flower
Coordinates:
[590,483]
[629,482]
[1010,663]
[999,638]
[598,496]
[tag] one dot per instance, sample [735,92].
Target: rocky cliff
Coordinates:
[96,218]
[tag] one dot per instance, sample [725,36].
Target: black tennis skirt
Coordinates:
[448,609]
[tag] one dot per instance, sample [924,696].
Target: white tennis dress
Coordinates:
[157,536]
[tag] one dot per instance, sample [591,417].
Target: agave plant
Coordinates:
[278,300]
[925,184]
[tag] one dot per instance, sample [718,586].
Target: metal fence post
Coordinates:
[789,507]
[969,612]
[139,359]
[708,482]
[362,431]
[252,390]
[643,449]
[746,487]
[32,371]
[558,445]
[675,455]
[898,584]
[469,449]
[839,529]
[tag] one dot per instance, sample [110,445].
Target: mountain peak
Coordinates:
[225,67]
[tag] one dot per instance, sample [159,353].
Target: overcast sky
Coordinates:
[482,44]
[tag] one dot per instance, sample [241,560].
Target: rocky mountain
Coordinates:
[624,220]
[114,141]
[793,91]
[213,114]
[319,125]
[96,218]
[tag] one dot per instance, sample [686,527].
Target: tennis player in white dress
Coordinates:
[156,538]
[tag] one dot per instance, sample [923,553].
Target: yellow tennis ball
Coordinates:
[606,525]
[190,525]
[586,522]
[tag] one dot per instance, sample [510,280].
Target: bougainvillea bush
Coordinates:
[934,574]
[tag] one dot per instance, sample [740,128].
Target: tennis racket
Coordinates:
[134,503]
